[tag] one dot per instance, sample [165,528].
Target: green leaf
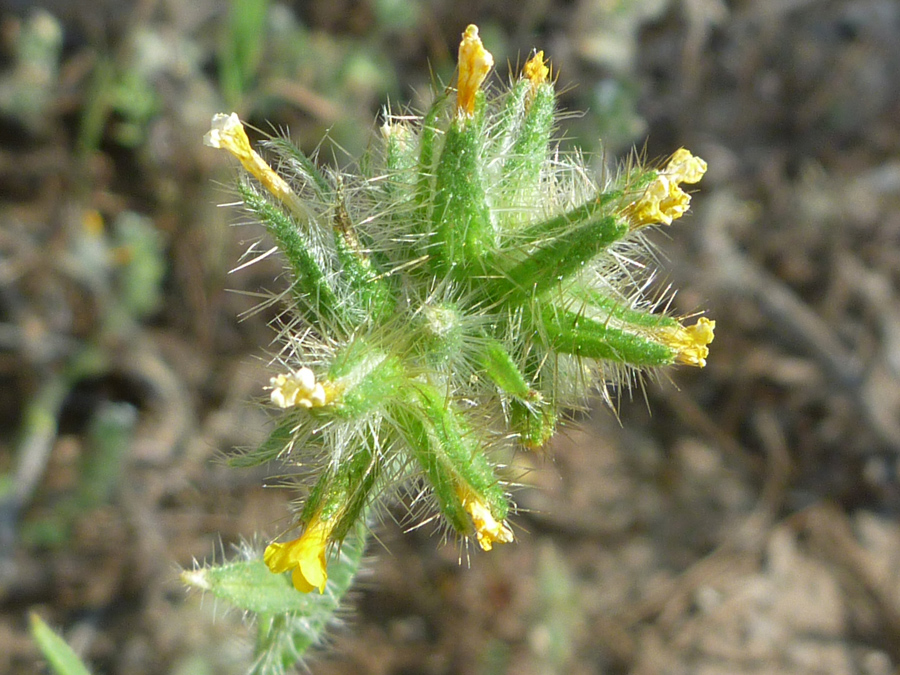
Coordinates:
[250,586]
[62,660]
[289,622]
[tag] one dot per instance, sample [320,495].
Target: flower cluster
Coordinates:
[469,285]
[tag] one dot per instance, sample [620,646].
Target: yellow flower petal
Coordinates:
[690,342]
[683,167]
[647,210]
[277,558]
[487,530]
[675,204]
[536,70]
[305,556]
[475,62]
[303,585]
[227,132]
[663,200]
[300,389]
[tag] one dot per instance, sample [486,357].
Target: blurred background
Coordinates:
[739,519]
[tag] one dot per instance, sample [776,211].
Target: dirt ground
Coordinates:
[735,520]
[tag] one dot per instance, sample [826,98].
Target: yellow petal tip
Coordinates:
[488,530]
[536,70]
[475,62]
[691,343]
[663,199]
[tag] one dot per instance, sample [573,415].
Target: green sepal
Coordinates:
[370,378]
[532,145]
[637,180]
[368,288]
[311,286]
[606,308]
[299,165]
[530,236]
[425,448]
[580,236]
[462,450]
[534,421]
[571,332]
[531,416]
[462,229]
[500,368]
[506,129]
[428,142]
[343,490]
[278,442]
[450,456]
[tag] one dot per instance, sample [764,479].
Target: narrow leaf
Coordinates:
[59,655]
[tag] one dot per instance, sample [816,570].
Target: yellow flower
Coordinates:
[536,70]
[305,556]
[475,62]
[663,200]
[300,389]
[228,133]
[683,167]
[690,342]
[487,530]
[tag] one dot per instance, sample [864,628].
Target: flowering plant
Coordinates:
[451,300]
